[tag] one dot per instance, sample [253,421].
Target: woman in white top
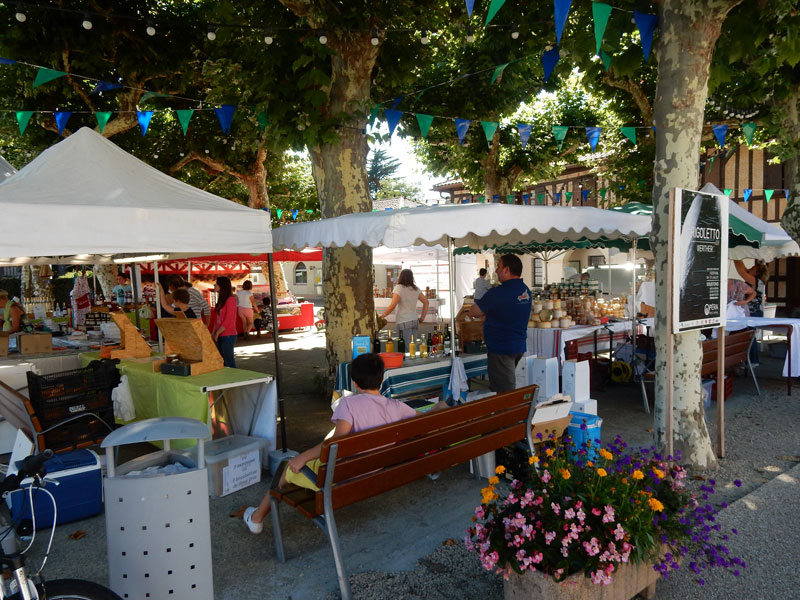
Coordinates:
[404,296]
[246,304]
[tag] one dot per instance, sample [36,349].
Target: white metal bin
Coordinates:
[157,524]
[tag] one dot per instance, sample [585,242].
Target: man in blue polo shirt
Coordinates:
[507,309]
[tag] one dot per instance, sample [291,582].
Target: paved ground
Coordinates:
[396,545]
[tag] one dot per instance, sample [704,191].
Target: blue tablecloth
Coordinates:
[417,374]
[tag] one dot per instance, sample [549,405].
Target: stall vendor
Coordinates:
[122,288]
[11,314]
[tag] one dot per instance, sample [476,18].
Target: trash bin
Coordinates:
[157,523]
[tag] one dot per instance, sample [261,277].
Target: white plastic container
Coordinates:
[233,463]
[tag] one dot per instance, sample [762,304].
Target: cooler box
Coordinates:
[233,463]
[581,436]
[78,495]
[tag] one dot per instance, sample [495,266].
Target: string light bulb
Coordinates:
[470,37]
[20,14]
[323,38]
[87,22]
[212,33]
[268,39]
[423,37]
[374,39]
[514,31]
[151,27]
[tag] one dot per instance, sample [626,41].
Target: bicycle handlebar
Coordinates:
[30,466]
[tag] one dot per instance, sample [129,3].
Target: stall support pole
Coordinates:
[633,295]
[189,271]
[721,392]
[278,377]
[452,276]
[158,306]
[669,322]
[134,288]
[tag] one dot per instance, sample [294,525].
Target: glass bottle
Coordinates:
[412,348]
[401,344]
[390,343]
[446,348]
[423,347]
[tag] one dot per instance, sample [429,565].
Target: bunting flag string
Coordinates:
[184,116]
[61,120]
[720,131]
[225,116]
[462,125]
[23,116]
[549,61]
[489,127]
[102,119]
[600,14]
[593,135]
[647,26]
[143,116]
[561,12]
[498,70]
[495,6]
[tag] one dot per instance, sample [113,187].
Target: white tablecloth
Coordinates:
[547,343]
[764,323]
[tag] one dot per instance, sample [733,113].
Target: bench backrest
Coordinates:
[371,462]
[737,344]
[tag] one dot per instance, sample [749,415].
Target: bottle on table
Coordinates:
[376,342]
[390,343]
[446,340]
[401,345]
[412,348]
[423,347]
[429,345]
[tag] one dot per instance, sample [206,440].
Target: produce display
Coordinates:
[551,313]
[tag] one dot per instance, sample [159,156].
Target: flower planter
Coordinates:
[627,581]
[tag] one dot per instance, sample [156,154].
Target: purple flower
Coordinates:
[737,483]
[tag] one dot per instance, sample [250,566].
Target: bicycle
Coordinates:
[21,586]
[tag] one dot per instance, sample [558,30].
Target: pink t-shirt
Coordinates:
[226,317]
[365,411]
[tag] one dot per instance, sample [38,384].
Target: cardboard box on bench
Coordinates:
[35,343]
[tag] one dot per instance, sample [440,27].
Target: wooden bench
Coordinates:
[737,350]
[368,463]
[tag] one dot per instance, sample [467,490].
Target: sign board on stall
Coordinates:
[700,260]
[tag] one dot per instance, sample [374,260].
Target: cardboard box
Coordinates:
[575,376]
[35,343]
[587,406]
[544,373]
[234,463]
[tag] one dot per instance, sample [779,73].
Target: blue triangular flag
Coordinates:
[61,120]
[144,117]
[461,129]
[470,5]
[561,9]
[294,214]
[526,198]
[225,116]
[558,197]
[747,193]
[496,198]
[786,194]
[397,101]
[392,119]
[720,131]
[585,194]
[7,61]
[105,86]
[549,60]
[524,133]
[647,25]
[593,135]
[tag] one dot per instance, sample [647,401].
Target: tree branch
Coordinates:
[636,92]
[216,165]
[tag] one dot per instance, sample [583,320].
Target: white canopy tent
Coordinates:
[85,197]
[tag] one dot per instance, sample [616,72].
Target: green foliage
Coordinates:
[380,166]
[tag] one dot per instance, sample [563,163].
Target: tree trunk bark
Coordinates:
[340,173]
[106,276]
[687,34]
[495,182]
[791,123]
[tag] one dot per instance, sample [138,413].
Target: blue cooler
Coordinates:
[581,436]
[78,495]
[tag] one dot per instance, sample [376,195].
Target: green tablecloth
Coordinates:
[158,395]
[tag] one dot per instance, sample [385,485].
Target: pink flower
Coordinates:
[546,476]
[597,512]
[556,508]
[480,512]
[538,501]
[549,536]
[592,547]
[569,513]
[599,577]
[537,557]
[578,504]
[608,517]
[619,532]
[581,515]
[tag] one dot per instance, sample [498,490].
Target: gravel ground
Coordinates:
[763,452]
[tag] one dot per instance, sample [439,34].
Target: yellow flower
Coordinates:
[637,474]
[494,480]
[549,452]
[500,469]
[589,464]
[658,473]
[565,473]
[624,480]
[655,505]
[602,472]
[533,460]
[605,454]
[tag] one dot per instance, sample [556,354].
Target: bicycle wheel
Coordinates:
[76,589]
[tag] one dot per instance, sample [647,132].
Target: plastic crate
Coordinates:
[80,433]
[62,395]
[581,437]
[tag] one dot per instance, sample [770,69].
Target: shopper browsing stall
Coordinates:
[197,302]
[404,297]
[224,333]
[122,289]
[481,285]
[180,303]
[507,309]
[11,314]
[246,306]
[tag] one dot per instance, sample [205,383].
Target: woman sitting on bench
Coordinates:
[364,410]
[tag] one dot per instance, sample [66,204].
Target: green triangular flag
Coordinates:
[603,192]
[768,194]
[147,95]
[728,191]
[489,127]
[481,199]
[184,116]
[568,195]
[102,119]
[540,198]
[711,163]
[606,58]
[630,133]
[424,122]
[509,198]
[498,70]
[493,8]
[373,112]
[263,119]
[23,116]
[749,129]
[600,12]
[560,132]
[44,75]
[279,212]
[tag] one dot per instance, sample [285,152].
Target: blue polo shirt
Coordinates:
[507,309]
